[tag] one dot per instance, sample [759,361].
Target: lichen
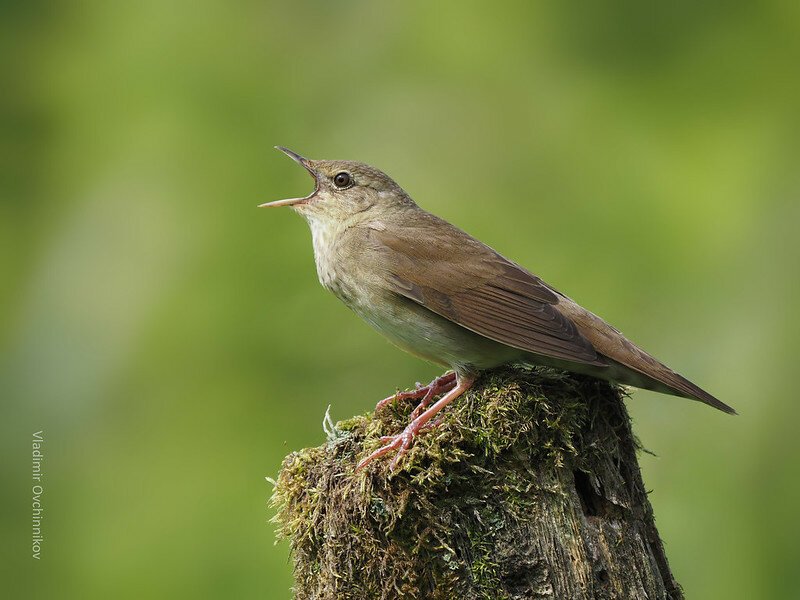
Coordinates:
[435,528]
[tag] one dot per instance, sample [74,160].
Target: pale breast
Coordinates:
[334,271]
[323,237]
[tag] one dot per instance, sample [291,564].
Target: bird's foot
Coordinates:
[442,384]
[401,442]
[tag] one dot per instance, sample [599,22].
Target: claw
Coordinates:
[379,452]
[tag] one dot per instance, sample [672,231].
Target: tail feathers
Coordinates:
[689,390]
[630,364]
[661,378]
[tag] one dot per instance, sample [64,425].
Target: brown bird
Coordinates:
[442,295]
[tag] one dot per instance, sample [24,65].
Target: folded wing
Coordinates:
[470,284]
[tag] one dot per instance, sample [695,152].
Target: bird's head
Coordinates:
[344,190]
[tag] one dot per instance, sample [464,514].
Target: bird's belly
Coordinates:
[427,335]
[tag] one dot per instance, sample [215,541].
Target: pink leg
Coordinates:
[402,442]
[441,384]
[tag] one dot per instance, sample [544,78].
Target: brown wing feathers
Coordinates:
[522,322]
[490,296]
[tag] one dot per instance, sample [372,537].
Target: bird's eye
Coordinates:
[342,180]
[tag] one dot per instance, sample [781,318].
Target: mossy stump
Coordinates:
[529,488]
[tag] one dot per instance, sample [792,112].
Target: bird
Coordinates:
[442,295]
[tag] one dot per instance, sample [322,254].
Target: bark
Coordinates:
[529,488]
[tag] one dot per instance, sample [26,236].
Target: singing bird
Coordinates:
[440,294]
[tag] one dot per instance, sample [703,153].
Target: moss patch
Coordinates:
[439,526]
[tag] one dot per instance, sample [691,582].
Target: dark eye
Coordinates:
[342,180]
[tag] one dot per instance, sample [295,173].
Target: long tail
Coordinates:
[660,378]
[630,364]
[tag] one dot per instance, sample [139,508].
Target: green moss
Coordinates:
[433,528]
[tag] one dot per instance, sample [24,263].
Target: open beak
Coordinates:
[307,166]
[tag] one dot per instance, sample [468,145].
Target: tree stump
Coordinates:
[529,488]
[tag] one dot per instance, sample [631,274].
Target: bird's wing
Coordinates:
[465,281]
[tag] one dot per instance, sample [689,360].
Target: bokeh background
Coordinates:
[172,340]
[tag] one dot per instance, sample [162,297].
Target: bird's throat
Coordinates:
[324,235]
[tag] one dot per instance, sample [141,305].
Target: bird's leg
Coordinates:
[445,383]
[402,441]
[441,384]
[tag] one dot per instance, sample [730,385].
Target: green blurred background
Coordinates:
[172,340]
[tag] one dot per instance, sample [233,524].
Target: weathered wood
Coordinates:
[529,488]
